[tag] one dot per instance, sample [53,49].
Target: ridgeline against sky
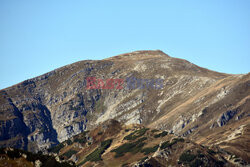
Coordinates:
[39,36]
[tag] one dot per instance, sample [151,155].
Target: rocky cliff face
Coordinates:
[191,101]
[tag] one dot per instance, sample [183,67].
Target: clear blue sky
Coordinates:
[37,36]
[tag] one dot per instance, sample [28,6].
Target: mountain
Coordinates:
[148,88]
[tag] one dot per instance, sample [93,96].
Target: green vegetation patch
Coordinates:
[69,153]
[133,147]
[197,159]
[187,157]
[57,148]
[196,163]
[165,145]
[211,151]
[162,134]
[149,150]
[136,134]
[154,130]
[69,142]
[176,140]
[169,144]
[97,153]
[81,138]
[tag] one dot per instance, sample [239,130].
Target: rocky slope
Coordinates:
[210,108]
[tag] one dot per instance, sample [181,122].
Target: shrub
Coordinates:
[120,151]
[154,130]
[80,140]
[187,157]
[179,139]
[165,145]
[174,141]
[196,163]
[69,153]
[136,134]
[133,147]
[56,149]
[211,151]
[162,134]
[149,150]
[141,140]
[69,142]
[97,153]
[105,144]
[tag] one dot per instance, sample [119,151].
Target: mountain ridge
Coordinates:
[113,58]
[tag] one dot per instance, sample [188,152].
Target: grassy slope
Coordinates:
[135,143]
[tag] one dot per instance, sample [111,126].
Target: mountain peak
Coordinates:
[140,54]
